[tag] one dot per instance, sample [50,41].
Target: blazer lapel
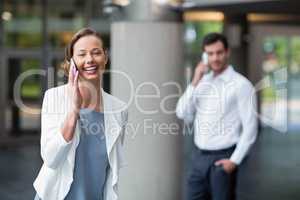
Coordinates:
[112,126]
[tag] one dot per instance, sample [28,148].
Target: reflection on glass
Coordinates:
[31,87]
[280,99]
[294,84]
[22,24]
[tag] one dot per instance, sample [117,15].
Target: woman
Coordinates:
[82,128]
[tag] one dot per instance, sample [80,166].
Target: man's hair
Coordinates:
[214,37]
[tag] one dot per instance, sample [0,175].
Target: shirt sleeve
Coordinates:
[185,108]
[247,109]
[54,147]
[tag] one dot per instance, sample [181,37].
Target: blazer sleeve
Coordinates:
[54,148]
[124,125]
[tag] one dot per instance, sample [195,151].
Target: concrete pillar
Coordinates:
[150,53]
[148,10]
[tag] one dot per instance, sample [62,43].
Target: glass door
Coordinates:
[274,67]
[24,92]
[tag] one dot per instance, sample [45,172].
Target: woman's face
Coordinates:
[90,57]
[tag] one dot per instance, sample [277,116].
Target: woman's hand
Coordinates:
[74,88]
[68,128]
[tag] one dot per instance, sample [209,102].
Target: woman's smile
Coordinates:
[90,69]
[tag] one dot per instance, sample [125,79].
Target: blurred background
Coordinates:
[157,41]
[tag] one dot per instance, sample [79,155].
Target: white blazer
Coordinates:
[56,175]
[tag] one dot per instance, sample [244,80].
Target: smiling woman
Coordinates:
[79,162]
[88,53]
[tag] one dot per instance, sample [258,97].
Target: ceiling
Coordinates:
[245,6]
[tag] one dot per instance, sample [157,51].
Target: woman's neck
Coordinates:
[91,94]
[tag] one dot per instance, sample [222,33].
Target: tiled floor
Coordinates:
[18,169]
[271,171]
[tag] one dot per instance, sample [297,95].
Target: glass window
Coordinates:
[22,24]
[280,97]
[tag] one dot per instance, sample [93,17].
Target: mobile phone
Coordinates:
[74,72]
[204,59]
[74,63]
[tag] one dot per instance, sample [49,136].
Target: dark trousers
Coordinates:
[205,181]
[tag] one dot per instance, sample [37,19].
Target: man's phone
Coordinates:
[204,59]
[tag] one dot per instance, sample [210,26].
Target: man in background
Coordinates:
[222,105]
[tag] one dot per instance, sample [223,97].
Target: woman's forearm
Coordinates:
[69,125]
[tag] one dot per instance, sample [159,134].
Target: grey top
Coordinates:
[91,160]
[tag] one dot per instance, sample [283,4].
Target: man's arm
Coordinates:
[247,108]
[185,108]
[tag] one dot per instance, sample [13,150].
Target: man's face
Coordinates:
[217,56]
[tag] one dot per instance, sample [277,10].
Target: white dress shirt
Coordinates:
[223,109]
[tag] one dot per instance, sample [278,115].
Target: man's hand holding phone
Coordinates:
[200,70]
